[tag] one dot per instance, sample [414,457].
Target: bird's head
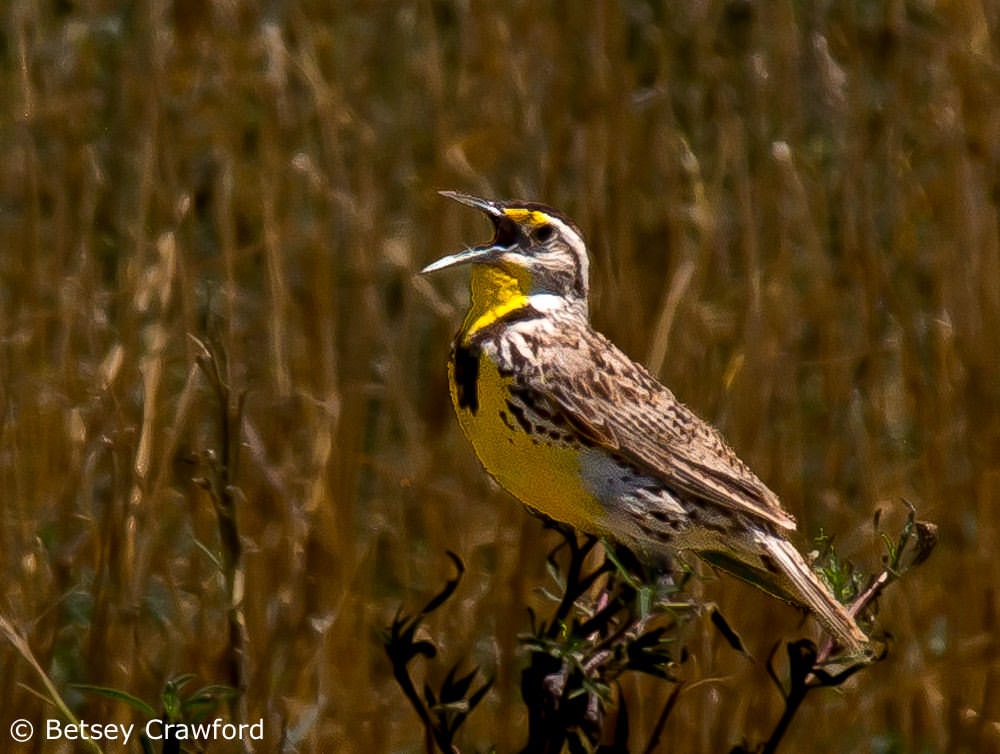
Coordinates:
[537,246]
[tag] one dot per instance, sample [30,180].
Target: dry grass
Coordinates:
[793,210]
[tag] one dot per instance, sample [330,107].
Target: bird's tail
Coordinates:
[805,588]
[776,567]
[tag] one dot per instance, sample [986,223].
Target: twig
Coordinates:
[21,645]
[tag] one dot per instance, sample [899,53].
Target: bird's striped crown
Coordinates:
[536,251]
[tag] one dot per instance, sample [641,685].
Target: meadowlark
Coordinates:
[562,419]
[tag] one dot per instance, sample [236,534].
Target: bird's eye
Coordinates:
[544,233]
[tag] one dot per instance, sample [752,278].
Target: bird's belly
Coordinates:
[542,471]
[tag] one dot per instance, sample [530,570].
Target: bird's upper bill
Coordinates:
[507,221]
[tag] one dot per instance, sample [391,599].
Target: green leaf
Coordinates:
[118,695]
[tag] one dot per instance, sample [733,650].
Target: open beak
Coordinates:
[476,253]
[484,205]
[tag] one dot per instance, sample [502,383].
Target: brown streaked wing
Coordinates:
[616,403]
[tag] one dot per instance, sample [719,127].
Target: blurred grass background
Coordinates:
[793,215]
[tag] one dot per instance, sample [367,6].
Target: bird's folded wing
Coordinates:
[617,404]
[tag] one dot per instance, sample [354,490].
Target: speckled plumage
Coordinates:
[568,423]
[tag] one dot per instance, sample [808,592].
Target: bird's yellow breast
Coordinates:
[543,474]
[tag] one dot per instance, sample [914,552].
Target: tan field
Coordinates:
[223,383]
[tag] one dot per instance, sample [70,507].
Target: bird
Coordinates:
[566,422]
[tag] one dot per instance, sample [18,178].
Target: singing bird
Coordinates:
[562,419]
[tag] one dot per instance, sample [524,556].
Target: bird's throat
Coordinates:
[495,294]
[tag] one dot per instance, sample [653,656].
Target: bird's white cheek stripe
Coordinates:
[545,302]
